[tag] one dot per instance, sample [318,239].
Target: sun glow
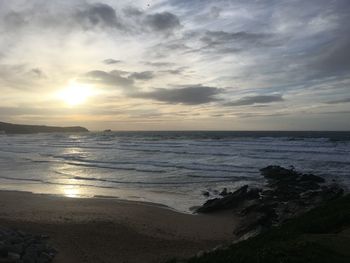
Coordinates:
[75,94]
[71,191]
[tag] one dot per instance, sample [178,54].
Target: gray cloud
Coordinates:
[177,71]
[192,95]
[98,14]
[37,72]
[110,61]
[215,12]
[219,37]
[231,42]
[259,99]
[159,64]
[163,22]
[335,57]
[112,78]
[132,11]
[145,75]
[346,100]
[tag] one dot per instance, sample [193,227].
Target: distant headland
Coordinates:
[9,128]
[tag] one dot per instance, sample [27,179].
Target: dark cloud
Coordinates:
[227,42]
[213,37]
[145,75]
[259,99]
[335,57]
[14,20]
[159,64]
[215,12]
[132,11]
[37,72]
[346,100]
[163,22]
[163,49]
[192,95]
[111,61]
[98,14]
[112,78]
[177,71]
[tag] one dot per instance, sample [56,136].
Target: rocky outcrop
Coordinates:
[10,128]
[286,194]
[17,246]
[229,200]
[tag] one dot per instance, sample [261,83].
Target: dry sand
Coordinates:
[113,230]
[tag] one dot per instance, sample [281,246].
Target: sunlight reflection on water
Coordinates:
[71,191]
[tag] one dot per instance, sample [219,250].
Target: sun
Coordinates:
[75,94]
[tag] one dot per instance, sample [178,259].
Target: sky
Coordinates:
[176,64]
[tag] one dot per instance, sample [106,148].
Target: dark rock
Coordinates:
[16,248]
[3,251]
[19,247]
[205,193]
[14,256]
[312,178]
[275,172]
[230,201]
[44,258]
[331,192]
[224,192]
[288,193]
[253,193]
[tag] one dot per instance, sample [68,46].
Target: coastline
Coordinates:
[114,230]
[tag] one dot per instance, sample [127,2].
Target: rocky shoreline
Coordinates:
[286,194]
[21,247]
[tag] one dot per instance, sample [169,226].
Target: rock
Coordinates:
[20,247]
[230,201]
[312,178]
[44,258]
[287,193]
[224,192]
[205,193]
[14,256]
[254,193]
[331,192]
[215,192]
[16,248]
[3,252]
[275,172]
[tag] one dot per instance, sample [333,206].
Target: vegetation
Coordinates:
[320,235]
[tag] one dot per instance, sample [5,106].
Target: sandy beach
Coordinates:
[113,230]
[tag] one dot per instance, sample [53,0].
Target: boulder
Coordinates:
[227,202]
[275,172]
[287,194]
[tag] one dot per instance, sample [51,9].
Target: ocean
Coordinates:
[169,168]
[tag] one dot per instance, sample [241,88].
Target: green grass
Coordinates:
[320,235]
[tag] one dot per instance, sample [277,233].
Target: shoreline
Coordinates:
[103,229]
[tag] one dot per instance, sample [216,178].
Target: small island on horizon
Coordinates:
[10,128]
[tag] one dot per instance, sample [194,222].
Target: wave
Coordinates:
[191,166]
[114,181]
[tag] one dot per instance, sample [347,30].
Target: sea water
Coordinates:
[170,168]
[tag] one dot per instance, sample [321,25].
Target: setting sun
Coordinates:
[75,94]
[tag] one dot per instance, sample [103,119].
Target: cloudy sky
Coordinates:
[176,64]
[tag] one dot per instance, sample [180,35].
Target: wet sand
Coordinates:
[113,230]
